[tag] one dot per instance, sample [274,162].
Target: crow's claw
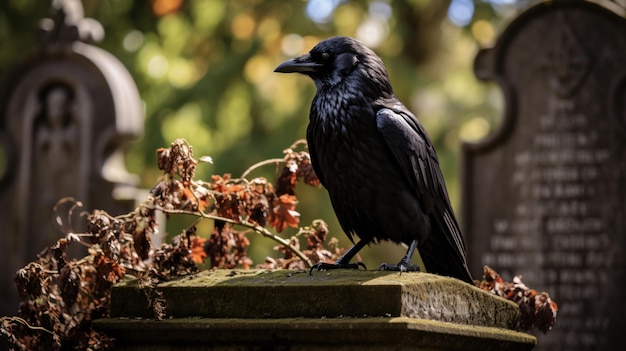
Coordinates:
[400,267]
[328,266]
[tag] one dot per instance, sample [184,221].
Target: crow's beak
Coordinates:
[300,64]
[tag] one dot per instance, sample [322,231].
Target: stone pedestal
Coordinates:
[292,310]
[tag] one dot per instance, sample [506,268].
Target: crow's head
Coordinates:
[339,59]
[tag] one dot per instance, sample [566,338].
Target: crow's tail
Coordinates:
[443,252]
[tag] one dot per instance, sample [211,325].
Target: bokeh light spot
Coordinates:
[461,12]
[474,129]
[243,26]
[257,69]
[158,66]
[207,14]
[380,8]
[372,31]
[164,7]
[132,41]
[321,11]
[182,73]
[292,44]
[483,32]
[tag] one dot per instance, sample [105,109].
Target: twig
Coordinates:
[298,142]
[25,323]
[257,228]
[262,163]
[273,160]
[66,226]
[304,230]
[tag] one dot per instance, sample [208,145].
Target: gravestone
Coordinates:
[66,113]
[545,195]
[344,310]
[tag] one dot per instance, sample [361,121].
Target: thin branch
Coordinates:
[262,163]
[298,142]
[257,228]
[67,225]
[25,323]
[274,160]
[304,230]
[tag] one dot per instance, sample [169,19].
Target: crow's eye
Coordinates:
[325,56]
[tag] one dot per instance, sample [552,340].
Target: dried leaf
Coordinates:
[197,249]
[283,214]
[306,172]
[287,179]
[69,285]
[537,310]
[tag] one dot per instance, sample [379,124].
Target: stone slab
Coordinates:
[258,294]
[368,334]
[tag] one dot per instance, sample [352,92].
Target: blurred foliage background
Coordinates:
[204,69]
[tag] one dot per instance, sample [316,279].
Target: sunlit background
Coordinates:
[204,72]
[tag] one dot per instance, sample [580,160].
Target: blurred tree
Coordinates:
[204,70]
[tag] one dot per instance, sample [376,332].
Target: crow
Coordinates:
[376,161]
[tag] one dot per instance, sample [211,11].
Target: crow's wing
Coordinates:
[408,142]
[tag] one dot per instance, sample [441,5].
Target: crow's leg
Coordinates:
[405,263]
[343,261]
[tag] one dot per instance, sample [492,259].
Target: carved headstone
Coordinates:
[65,115]
[545,196]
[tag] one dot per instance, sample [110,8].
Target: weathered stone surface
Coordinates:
[367,334]
[545,195]
[336,310]
[284,294]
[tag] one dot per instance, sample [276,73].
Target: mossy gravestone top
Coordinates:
[344,309]
[545,195]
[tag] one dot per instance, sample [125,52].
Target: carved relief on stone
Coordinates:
[66,115]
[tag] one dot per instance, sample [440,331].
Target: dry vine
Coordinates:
[537,310]
[62,296]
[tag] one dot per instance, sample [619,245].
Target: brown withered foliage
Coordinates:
[284,213]
[62,296]
[317,249]
[238,199]
[254,203]
[537,310]
[198,254]
[178,160]
[297,166]
[227,247]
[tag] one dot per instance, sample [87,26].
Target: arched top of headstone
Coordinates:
[545,39]
[67,27]
[103,87]
[65,56]
[67,112]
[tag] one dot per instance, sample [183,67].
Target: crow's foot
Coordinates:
[400,267]
[328,266]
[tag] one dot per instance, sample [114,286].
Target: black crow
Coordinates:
[376,161]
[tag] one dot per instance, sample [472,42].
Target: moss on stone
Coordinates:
[341,293]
